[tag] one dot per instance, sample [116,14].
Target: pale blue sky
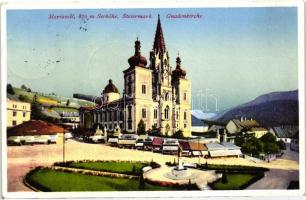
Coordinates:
[236,53]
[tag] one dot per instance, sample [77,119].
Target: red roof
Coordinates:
[36,127]
[196,146]
[158,141]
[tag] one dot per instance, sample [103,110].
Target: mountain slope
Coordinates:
[273,109]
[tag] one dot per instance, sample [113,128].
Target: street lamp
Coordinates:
[63,145]
[199,149]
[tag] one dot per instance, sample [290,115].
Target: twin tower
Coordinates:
[154,93]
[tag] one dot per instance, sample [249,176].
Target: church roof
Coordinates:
[159,42]
[110,88]
[178,72]
[137,59]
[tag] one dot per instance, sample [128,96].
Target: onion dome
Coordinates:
[178,72]
[137,59]
[110,88]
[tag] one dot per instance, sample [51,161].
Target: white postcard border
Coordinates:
[154,4]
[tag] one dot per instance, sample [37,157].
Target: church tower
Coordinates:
[137,91]
[161,81]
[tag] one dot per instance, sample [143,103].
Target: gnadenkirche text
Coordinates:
[85,16]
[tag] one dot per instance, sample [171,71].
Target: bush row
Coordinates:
[232,168]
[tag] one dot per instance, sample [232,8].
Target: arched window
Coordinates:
[167,96]
[185,115]
[167,112]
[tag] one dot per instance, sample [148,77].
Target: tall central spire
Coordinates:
[159,42]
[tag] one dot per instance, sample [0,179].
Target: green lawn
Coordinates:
[56,181]
[117,167]
[235,181]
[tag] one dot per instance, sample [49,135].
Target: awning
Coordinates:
[218,153]
[233,152]
[170,148]
[127,142]
[196,153]
[113,140]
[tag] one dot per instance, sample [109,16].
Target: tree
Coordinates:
[178,134]
[35,99]
[141,182]
[29,90]
[36,112]
[154,131]
[268,138]
[22,97]
[23,87]
[239,140]
[271,148]
[281,144]
[224,178]
[141,129]
[10,89]
[68,102]
[253,146]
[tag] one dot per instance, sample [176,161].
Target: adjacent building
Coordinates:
[249,126]
[17,111]
[155,94]
[284,133]
[36,131]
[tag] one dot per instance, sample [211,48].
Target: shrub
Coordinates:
[206,165]
[189,187]
[141,128]
[224,178]
[170,164]
[141,182]
[178,134]
[134,169]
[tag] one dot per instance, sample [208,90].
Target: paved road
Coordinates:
[277,178]
[23,158]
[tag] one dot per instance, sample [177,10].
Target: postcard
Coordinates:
[166,100]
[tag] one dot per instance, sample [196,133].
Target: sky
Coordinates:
[231,55]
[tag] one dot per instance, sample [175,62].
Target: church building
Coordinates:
[153,92]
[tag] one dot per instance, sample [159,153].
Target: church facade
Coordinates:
[154,93]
